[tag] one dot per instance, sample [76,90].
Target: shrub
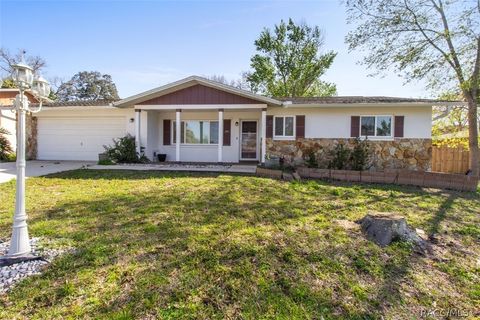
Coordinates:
[311,159]
[6,151]
[340,157]
[360,154]
[124,151]
[12,157]
[105,162]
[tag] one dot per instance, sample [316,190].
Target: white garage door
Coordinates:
[76,138]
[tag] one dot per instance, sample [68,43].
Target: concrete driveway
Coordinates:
[37,168]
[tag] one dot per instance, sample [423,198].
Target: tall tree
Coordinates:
[289,62]
[8,59]
[238,83]
[435,40]
[87,85]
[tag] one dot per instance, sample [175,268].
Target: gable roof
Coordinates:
[190,82]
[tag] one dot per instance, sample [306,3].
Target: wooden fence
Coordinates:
[450,160]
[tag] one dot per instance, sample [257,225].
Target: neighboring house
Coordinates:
[251,126]
[8,119]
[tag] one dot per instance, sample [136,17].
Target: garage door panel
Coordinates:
[74,145]
[75,134]
[77,138]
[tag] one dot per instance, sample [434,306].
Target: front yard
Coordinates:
[158,245]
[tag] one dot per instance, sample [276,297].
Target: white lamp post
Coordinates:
[25,80]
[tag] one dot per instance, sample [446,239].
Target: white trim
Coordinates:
[220,135]
[188,82]
[240,141]
[375,137]
[284,137]
[79,108]
[137,132]
[263,137]
[214,107]
[178,133]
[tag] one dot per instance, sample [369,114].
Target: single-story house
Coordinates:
[199,120]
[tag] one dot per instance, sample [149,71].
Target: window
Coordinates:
[196,132]
[284,127]
[376,126]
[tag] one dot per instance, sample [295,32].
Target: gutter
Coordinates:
[289,104]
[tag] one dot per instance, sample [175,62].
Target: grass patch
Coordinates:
[210,246]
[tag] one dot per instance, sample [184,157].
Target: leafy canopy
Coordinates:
[421,39]
[435,40]
[289,62]
[88,85]
[8,59]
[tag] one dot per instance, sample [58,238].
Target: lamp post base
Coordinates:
[10,260]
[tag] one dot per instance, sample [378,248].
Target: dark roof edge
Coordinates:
[80,103]
[360,99]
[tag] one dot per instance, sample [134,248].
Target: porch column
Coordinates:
[264,135]
[137,130]
[178,126]
[220,135]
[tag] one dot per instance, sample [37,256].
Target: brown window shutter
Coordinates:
[399,120]
[269,126]
[166,132]
[227,131]
[355,126]
[300,126]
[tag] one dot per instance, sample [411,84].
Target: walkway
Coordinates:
[37,168]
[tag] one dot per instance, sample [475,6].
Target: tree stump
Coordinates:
[384,228]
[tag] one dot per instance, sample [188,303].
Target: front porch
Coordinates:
[199,120]
[208,134]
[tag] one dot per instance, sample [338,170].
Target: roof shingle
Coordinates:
[355,99]
[80,103]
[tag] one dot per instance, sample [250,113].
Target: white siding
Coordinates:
[8,122]
[61,132]
[335,122]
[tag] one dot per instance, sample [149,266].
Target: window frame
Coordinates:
[185,133]
[376,116]
[284,137]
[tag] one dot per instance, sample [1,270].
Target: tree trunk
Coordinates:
[473,133]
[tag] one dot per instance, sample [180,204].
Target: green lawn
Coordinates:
[179,246]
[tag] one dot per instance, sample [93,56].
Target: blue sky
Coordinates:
[144,44]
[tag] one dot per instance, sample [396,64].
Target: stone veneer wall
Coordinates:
[31,137]
[400,153]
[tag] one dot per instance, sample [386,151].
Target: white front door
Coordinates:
[248,140]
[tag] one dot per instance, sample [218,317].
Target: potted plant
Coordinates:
[271,161]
